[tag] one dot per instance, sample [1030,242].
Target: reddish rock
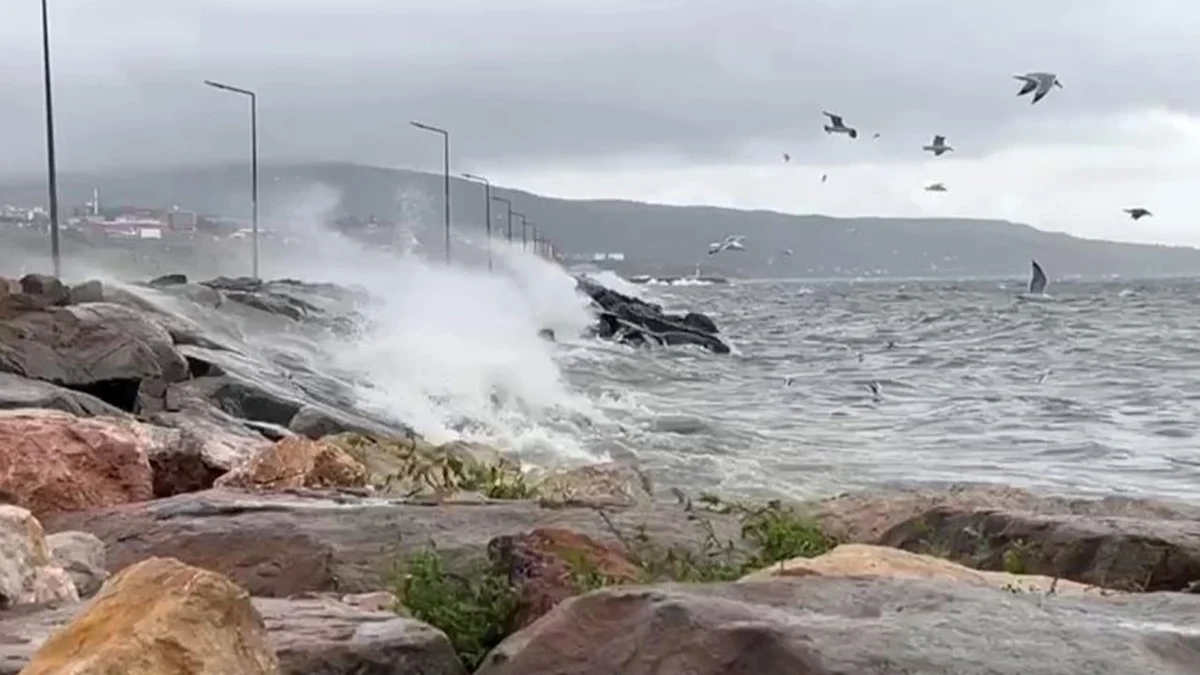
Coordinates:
[297,462]
[52,461]
[551,564]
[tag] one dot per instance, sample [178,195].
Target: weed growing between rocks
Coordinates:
[474,610]
[477,610]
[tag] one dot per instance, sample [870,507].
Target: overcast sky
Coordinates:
[679,101]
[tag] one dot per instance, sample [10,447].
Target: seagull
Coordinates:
[786,251]
[876,135]
[1042,82]
[1138,212]
[836,126]
[730,243]
[787,157]
[824,177]
[938,146]
[935,187]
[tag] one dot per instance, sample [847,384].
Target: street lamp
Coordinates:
[487,210]
[523,222]
[445,174]
[507,203]
[253,166]
[535,241]
[51,163]
[524,236]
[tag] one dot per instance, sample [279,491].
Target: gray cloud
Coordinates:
[581,80]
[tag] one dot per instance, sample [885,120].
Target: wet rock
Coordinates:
[28,575]
[636,322]
[297,462]
[88,291]
[82,556]
[104,349]
[52,461]
[549,565]
[310,636]
[47,289]
[279,544]
[168,280]
[865,560]
[158,617]
[700,322]
[18,392]
[211,443]
[838,626]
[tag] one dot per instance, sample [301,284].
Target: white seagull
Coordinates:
[938,146]
[730,243]
[836,126]
[935,187]
[1041,82]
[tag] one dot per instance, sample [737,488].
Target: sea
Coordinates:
[832,386]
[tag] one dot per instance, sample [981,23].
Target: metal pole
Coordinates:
[524,237]
[522,217]
[253,167]
[445,175]
[508,203]
[487,209]
[51,162]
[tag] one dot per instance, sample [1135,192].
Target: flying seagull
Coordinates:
[938,146]
[876,135]
[787,157]
[836,126]
[786,251]
[935,187]
[824,177]
[1042,82]
[1138,212]
[730,243]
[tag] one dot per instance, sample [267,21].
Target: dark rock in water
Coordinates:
[169,280]
[20,392]
[636,322]
[546,334]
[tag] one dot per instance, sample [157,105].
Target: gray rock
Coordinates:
[286,543]
[211,443]
[82,556]
[22,392]
[311,637]
[88,291]
[841,626]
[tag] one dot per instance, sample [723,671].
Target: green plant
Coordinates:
[474,610]
[1015,557]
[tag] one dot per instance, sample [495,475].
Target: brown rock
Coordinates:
[865,560]
[1116,552]
[311,636]
[607,484]
[412,467]
[842,626]
[549,565]
[52,461]
[297,462]
[161,617]
[280,544]
[211,443]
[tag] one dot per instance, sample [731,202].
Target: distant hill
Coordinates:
[654,238]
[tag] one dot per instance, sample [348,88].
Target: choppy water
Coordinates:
[965,392]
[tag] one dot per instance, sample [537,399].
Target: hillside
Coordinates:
[654,238]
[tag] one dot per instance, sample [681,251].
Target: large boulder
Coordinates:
[52,461]
[636,322]
[1120,543]
[279,544]
[105,349]
[211,443]
[310,636]
[161,617]
[28,574]
[839,626]
[82,556]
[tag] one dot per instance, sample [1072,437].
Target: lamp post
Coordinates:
[445,174]
[51,162]
[487,210]
[523,223]
[253,166]
[507,203]
[535,241]
[524,235]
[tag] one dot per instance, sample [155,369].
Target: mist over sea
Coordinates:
[1094,393]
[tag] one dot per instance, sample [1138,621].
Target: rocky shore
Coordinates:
[174,506]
